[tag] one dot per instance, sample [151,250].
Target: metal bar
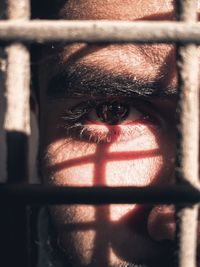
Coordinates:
[99,31]
[46,194]
[17,115]
[2,112]
[17,118]
[18,75]
[188,132]
[17,129]
[18,9]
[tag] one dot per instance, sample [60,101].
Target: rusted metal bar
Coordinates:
[99,31]
[17,119]
[46,194]
[17,114]
[17,127]
[188,132]
[18,9]
[2,112]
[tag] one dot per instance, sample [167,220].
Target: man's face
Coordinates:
[107,119]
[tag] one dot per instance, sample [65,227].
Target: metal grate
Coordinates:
[16,32]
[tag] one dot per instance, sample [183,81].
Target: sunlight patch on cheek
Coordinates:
[118,211]
[135,172]
[73,215]
[70,163]
[84,245]
[139,172]
[65,149]
[76,176]
[143,140]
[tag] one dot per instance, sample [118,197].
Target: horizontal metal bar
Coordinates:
[45,194]
[99,31]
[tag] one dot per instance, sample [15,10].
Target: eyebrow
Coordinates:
[84,81]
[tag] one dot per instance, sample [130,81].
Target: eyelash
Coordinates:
[78,112]
[75,118]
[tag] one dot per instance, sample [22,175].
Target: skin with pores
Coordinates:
[84,150]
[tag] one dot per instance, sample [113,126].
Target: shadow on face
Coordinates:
[81,149]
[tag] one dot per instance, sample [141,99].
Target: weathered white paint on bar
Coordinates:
[188,128]
[99,31]
[17,93]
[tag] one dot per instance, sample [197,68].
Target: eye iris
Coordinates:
[112,113]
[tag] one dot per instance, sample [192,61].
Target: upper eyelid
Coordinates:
[94,102]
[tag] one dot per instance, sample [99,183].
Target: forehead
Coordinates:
[116,9]
[119,9]
[131,60]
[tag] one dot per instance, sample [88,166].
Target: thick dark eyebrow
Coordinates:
[84,81]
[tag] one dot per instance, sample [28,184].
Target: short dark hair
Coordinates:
[46,9]
[42,9]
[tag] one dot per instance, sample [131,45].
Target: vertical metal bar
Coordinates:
[17,114]
[17,127]
[188,136]
[18,75]
[2,110]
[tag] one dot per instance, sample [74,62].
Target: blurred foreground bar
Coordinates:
[187,170]
[46,194]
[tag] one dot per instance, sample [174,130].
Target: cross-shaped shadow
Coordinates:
[102,223]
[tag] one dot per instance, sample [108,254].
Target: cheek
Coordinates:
[142,161]
[77,230]
[138,172]
[139,161]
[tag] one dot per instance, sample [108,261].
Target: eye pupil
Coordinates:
[112,113]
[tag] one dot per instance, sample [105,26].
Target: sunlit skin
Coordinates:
[139,150]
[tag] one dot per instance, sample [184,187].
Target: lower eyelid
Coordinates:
[118,133]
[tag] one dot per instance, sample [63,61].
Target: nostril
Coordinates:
[161,223]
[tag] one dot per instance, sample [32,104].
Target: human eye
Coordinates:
[104,121]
